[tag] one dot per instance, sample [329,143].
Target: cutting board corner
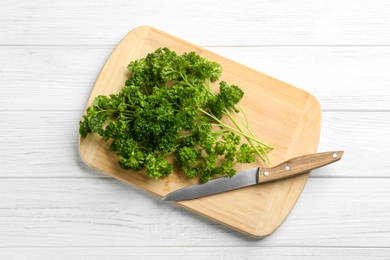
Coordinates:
[288,117]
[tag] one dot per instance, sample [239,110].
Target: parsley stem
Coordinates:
[246,125]
[169,106]
[233,129]
[249,140]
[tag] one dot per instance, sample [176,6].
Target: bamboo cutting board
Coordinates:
[279,114]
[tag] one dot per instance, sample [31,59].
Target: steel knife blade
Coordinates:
[258,175]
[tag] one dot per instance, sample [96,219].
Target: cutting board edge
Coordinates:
[312,102]
[152,28]
[88,162]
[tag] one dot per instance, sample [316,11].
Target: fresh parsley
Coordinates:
[166,109]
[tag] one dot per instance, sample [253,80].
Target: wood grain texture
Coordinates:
[47,212]
[204,22]
[180,253]
[53,206]
[288,116]
[47,144]
[297,165]
[61,77]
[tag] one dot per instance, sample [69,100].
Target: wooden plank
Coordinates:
[41,144]
[44,144]
[61,77]
[51,53]
[48,78]
[228,23]
[289,117]
[179,253]
[355,133]
[107,213]
[341,78]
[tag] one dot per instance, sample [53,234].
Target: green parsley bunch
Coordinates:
[167,108]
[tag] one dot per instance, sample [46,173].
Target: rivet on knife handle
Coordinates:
[255,176]
[297,166]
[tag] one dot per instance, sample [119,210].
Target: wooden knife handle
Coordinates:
[297,166]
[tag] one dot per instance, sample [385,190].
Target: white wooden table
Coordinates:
[52,206]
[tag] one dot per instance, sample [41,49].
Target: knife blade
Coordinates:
[258,175]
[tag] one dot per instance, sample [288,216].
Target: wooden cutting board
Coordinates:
[279,114]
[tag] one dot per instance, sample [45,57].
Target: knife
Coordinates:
[258,175]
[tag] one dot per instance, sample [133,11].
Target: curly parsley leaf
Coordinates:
[167,108]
